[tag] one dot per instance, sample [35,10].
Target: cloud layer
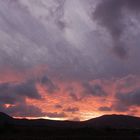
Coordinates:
[69,59]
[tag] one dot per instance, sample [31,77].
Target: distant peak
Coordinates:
[4,116]
[116,115]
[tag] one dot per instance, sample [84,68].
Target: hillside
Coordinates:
[116,127]
[106,121]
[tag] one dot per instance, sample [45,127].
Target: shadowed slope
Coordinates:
[106,121]
[114,121]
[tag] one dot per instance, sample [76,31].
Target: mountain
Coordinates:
[114,121]
[4,118]
[106,121]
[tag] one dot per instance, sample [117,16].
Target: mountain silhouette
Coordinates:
[106,121]
[114,121]
[4,118]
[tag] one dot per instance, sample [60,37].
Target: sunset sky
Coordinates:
[69,59]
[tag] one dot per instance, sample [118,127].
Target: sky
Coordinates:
[69,59]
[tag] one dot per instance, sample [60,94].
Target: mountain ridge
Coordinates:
[105,121]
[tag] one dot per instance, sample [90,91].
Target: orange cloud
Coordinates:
[70,95]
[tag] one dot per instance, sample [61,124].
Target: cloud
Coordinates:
[24,110]
[78,52]
[16,92]
[130,98]
[61,45]
[13,99]
[94,90]
[74,96]
[120,107]
[48,84]
[27,89]
[127,101]
[72,93]
[58,106]
[56,115]
[104,108]
[132,4]
[110,14]
[71,109]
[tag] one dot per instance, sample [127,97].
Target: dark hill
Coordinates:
[114,121]
[106,121]
[4,118]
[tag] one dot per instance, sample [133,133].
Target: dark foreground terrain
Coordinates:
[108,127]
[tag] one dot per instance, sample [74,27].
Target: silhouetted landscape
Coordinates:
[70,60]
[116,127]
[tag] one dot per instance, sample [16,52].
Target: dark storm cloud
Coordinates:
[58,106]
[37,43]
[10,99]
[31,37]
[27,89]
[24,110]
[13,92]
[2,107]
[119,106]
[74,96]
[48,84]
[132,4]
[105,108]
[61,36]
[72,93]
[130,98]
[7,96]
[71,109]
[18,51]
[109,13]
[56,115]
[94,90]
[124,101]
